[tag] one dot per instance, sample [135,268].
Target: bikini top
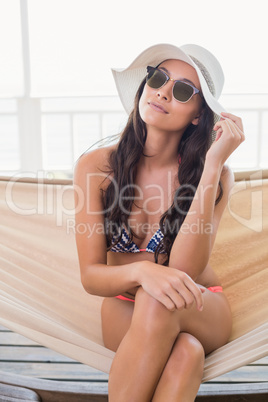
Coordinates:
[127,246]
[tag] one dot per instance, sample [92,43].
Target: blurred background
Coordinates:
[57,95]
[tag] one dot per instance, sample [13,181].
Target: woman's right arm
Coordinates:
[96,276]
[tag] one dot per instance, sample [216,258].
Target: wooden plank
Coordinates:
[246,374]
[233,393]
[9,393]
[263,361]
[42,362]
[55,391]
[55,371]
[10,338]
[65,371]
[4,329]
[8,355]
[36,353]
[250,373]
[19,355]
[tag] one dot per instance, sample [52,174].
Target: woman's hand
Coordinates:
[228,137]
[171,287]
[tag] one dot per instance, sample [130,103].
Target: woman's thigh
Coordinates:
[116,318]
[211,327]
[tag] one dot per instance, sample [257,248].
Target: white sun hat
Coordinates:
[208,68]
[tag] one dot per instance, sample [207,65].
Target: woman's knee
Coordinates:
[153,317]
[191,347]
[187,353]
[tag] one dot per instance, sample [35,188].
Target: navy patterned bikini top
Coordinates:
[127,246]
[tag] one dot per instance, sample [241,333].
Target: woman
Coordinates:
[153,203]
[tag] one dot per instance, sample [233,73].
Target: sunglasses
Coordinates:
[182,91]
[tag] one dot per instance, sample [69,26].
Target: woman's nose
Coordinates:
[165,91]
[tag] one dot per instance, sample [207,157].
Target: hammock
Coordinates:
[41,296]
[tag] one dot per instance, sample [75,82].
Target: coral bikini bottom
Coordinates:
[214,289]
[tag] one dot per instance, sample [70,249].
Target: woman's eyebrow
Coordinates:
[182,79]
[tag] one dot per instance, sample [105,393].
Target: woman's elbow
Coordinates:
[87,280]
[86,285]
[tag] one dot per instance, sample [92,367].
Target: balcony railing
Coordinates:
[48,134]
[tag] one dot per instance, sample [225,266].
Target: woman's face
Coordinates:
[159,109]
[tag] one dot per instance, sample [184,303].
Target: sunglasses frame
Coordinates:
[195,90]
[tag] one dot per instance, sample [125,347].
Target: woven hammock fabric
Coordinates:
[41,296]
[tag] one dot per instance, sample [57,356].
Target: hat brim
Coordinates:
[128,80]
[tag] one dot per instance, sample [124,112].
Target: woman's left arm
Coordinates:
[194,242]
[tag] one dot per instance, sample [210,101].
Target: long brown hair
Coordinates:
[123,163]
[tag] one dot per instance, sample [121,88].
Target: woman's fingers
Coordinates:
[229,136]
[195,291]
[181,299]
[229,125]
[167,302]
[185,290]
[173,288]
[237,120]
[174,300]
[232,123]
[235,129]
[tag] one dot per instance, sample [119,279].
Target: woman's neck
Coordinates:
[161,149]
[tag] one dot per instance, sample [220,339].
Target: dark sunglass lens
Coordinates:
[156,79]
[182,91]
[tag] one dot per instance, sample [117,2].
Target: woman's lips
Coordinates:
[156,106]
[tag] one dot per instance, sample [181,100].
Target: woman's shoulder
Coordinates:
[94,167]
[95,160]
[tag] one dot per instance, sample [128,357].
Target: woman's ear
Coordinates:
[195,121]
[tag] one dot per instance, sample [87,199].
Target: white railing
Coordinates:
[48,134]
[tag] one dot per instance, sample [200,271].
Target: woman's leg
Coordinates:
[183,372]
[143,357]
[143,353]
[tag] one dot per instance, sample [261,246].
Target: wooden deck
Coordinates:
[21,356]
